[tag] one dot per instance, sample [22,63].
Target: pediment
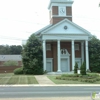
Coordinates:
[66,27]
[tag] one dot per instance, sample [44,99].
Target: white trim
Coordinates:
[44,55]
[82,51]
[67,4]
[64,37]
[73,55]
[87,54]
[58,52]
[70,22]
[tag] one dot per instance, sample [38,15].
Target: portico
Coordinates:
[63,56]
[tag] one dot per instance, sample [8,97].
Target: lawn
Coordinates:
[64,81]
[10,78]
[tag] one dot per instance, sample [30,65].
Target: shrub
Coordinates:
[10,63]
[28,71]
[93,75]
[83,69]
[58,77]
[66,75]
[63,78]
[75,68]
[18,71]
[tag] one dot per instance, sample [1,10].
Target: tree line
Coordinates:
[10,49]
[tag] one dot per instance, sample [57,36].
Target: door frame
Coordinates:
[65,55]
[67,58]
[50,60]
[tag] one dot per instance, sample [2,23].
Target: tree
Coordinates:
[94,54]
[32,56]
[83,69]
[4,49]
[15,49]
[10,50]
[75,68]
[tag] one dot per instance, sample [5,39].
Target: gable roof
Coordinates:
[44,28]
[51,26]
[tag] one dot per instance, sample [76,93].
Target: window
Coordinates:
[48,46]
[76,46]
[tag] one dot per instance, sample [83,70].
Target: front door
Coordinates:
[48,68]
[64,65]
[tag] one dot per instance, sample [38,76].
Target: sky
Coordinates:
[20,18]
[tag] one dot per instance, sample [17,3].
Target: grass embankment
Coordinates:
[10,78]
[90,78]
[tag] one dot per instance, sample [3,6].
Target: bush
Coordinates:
[18,71]
[10,63]
[28,71]
[83,69]
[69,75]
[75,68]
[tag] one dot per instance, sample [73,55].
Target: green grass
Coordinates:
[58,81]
[17,79]
[31,79]
[13,80]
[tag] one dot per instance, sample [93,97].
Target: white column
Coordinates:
[44,55]
[73,55]
[82,51]
[87,54]
[58,52]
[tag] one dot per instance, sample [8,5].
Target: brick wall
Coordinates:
[8,69]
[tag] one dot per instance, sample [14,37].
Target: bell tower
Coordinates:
[59,10]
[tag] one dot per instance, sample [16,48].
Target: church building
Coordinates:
[64,42]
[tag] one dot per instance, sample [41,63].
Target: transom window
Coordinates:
[48,46]
[76,46]
[63,51]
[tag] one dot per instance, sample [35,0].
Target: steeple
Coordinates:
[59,10]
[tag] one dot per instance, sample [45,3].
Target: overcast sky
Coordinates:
[20,18]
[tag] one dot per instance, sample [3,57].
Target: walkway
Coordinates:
[43,79]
